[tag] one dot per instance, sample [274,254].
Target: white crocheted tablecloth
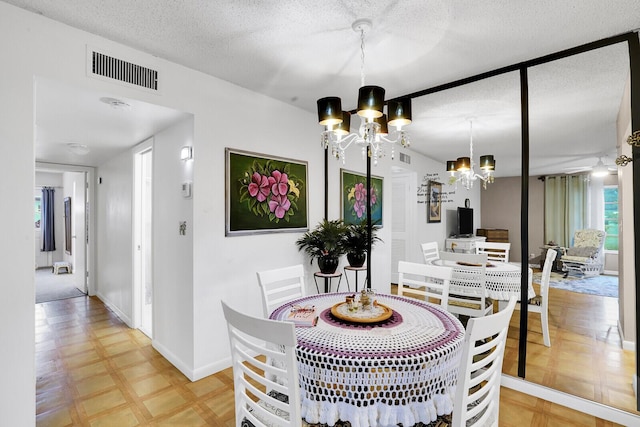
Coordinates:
[400,370]
[502,279]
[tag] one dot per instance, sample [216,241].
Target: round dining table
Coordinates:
[502,278]
[402,369]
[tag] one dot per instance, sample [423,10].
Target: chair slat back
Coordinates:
[431,282]
[280,285]
[266,386]
[477,397]
[467,292]
[546,277]
[430,251]
[496,251]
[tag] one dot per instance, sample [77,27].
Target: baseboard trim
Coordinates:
[211,369]
[192,374]
[626,345]
[570,401]
[126,319]
[174,360]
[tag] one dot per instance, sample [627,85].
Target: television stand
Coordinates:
[465,245]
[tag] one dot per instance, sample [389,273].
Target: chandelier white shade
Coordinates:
[373,131]
[462,170]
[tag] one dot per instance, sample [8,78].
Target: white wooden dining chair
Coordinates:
[280,285]
[496,251]
[431,282]
[467,292]
[477,396]
[430,251]
[540,303]
[266,393]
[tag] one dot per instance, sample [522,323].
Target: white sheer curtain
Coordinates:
[566,207]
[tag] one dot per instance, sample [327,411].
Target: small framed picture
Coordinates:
[434,211]
[354,198]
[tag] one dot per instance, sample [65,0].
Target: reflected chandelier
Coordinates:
[462,171]
[373,132]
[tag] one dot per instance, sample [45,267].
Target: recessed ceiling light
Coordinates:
[79,149]
[116,103]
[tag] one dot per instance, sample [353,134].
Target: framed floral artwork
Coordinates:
[264,194]
[354,198]
[434,211]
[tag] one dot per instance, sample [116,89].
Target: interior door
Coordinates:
[403,194]
[143,255]
[79,228]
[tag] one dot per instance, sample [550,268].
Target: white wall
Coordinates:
[173,253]
[114,241]
[453,196]
[17,313]
[427,169]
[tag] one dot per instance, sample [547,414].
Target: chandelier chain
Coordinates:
[361,56]
[471,142]
[373,134]
[465,173]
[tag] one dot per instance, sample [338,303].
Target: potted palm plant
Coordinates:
[324,243]
[355,241]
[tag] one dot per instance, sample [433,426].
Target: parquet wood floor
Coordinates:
[92,370]
[586,358]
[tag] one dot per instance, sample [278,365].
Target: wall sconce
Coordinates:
[634,141]
[623,160]
[186,153]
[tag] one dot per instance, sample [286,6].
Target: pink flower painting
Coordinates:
[354,198]
[269,190]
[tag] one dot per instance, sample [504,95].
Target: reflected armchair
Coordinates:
[585,257]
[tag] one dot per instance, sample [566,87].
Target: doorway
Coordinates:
[403,225]
[70,226]
[143,251]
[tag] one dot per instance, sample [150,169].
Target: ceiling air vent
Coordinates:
[127,72]
[405,158]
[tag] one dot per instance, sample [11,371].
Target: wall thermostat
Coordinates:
[186,189]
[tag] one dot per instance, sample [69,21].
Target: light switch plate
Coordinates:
[186,189]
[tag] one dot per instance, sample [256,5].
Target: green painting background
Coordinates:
[348,180]
[240,216]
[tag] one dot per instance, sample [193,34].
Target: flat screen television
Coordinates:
[465,222]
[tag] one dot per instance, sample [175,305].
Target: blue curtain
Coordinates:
[48,233]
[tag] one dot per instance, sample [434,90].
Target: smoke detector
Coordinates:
[116,104]
[79,149]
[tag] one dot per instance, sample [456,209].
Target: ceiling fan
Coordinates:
[600,169]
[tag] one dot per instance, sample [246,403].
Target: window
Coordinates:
[37,216]
[611,217]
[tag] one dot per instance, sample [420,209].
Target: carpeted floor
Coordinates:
[606,286]
[51,287]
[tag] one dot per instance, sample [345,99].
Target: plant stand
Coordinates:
[327,280]
[356,270]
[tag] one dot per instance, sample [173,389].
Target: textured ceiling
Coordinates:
[298,51]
